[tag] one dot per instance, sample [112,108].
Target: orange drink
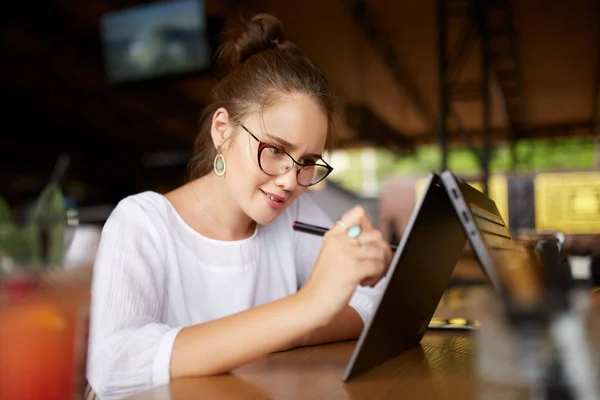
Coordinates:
[43,337]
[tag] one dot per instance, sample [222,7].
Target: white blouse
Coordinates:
[154,275]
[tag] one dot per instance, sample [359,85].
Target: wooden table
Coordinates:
[440,368]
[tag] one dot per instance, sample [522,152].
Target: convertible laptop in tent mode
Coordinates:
[449,213]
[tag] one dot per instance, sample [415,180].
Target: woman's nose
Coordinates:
[288,179]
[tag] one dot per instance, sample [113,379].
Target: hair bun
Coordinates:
[263,32]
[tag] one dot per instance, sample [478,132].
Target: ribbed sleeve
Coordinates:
[130,348]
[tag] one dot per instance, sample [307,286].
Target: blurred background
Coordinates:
[504,93]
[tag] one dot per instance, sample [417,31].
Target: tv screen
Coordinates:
[154,40]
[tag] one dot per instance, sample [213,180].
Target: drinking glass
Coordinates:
[43,319]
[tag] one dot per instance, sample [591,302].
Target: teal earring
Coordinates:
[219,165]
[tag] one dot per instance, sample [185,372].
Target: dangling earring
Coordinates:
[219,165]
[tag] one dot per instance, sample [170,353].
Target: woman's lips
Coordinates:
[273,200]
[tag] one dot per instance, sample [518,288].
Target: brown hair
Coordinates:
[258,66]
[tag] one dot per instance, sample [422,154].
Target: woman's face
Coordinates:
[294,124]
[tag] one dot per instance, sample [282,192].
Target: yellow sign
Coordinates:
[568,202]
[498,190]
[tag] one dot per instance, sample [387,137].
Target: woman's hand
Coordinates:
[345,262]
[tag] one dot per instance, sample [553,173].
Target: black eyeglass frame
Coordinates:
[263,145]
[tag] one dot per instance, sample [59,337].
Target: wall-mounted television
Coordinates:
[155,40]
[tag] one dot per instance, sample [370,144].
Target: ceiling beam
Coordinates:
[498,22]
[596,109]
[495,20]
[372,129]
[384,47]
[458,57]
[595,118]
[450,66]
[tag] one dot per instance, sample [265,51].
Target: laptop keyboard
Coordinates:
[492,228]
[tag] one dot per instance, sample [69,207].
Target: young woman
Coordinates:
[211,275]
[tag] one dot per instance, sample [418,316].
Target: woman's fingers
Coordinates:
[370,262]
[357,216]
[373,272]
[366,245]
[340,228]
[371,236]
[374,239]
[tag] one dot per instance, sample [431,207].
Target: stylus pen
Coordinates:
[319,230]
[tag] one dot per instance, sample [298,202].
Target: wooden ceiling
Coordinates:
[382,57]
[557,46]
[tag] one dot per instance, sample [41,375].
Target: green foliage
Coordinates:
[532,155]
[49,215]
[45,228]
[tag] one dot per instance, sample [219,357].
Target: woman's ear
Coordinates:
[221,127]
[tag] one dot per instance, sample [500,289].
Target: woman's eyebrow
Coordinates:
[290,146]
[281,141]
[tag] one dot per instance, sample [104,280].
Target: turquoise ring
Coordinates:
[343,225]
[354,232]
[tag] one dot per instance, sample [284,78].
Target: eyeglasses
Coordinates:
[274,161]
